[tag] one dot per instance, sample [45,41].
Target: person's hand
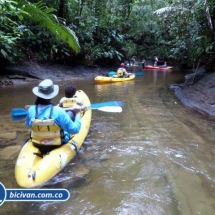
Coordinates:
[76,109]
[84,108]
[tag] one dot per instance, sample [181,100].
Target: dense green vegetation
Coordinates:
[105,31]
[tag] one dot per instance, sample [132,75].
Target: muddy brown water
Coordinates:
[157,157]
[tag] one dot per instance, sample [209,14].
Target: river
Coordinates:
[157,157]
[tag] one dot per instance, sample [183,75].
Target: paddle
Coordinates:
[111,73]
[111,106]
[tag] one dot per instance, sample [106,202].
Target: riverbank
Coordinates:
[200,95]
[30,71]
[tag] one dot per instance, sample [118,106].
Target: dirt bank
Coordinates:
[200,95]
[30,71]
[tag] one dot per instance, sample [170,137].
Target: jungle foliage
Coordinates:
[104,31]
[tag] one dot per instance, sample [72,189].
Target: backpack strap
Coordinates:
[51,112]
[36,117]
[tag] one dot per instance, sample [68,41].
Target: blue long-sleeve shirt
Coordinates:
[60,117]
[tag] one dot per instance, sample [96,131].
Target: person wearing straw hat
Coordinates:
[50,125]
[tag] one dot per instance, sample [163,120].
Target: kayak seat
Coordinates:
[44,149]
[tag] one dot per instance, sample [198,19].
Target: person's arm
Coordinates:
[31,113]
[126,73]
[77,108]
[64,121]
[61,102]
[81,104]
[27,121]
[60,105]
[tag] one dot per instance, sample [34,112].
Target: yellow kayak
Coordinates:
[104,79]
[32,170]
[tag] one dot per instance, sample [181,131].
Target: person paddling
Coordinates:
[50,125]
[121,72]
[156,62]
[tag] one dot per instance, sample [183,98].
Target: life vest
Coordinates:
[46,132]
[120,72]
[69,102]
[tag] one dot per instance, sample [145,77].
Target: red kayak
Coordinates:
[157,67]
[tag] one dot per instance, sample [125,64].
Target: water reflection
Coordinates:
[160,73]
[156,157]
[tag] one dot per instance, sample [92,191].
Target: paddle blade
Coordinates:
[104,104]
[18,114]
[113,109]
[138,73]
[18,118]
[111,73]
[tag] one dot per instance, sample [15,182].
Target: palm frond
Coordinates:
[39,13]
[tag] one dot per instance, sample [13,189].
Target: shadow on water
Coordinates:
[156,157]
